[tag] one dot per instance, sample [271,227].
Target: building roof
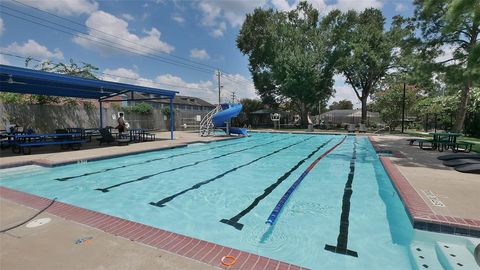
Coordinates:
[28,81]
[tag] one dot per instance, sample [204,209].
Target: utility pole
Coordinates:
[403,107]
[233,97]
[219,87]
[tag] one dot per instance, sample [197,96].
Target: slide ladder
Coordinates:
[207,127]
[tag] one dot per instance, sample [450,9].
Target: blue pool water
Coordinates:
[189,190]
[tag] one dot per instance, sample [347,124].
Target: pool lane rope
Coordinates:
[278,208]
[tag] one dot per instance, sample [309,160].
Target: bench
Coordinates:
[434,145]
[25,147]
[466,146]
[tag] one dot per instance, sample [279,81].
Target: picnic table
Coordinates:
[24,142]
[140,134]
[445,136]
[444,141]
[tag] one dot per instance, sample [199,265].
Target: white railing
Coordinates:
[206,125]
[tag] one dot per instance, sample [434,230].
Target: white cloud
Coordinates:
[400,7]
[345,5]
[124,75]
[33,49]
[127,17]
[205,89]
[201,89]
[3,60]
[120,36]
[64,7]
[216,14]
[237,83]
[199,54]
[447,54]
[2,27]
[178,18]
[344,91]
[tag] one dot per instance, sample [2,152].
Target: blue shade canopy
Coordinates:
[28,81]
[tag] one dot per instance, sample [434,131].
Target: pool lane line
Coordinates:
[162,202]
[144,162]
[281,203]
[234,221]
[107,189]
[342,240]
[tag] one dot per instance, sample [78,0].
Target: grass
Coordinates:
[474,140]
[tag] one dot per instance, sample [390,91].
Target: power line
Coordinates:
[87,36]
[106,33]
[211,68]
[108,43]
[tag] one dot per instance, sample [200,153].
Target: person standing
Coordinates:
[121,123]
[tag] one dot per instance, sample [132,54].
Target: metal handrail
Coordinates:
[206,125]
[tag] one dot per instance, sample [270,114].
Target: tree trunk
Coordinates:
[303,115]
[364,109]
[462,110]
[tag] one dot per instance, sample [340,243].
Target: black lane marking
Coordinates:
[342,240]
[234,220]
[145,162]
[183,166]
[162,202]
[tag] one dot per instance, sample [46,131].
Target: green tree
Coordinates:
[388,102]
[287,56]
[341,105]
[251,105]
[451,25]
[363,50]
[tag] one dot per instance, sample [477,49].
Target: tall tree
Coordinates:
[341,105]
[364,51]
[287,56]
[452,25]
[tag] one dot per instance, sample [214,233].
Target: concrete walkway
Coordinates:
[446,191]
[55,246]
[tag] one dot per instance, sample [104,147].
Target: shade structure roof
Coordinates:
[28,81]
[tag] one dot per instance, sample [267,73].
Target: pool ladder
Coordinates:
[206,125]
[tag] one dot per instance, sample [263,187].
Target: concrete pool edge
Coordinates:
[47,163]
[420,214]
[185,246]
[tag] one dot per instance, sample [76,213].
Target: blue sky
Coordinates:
[165,44]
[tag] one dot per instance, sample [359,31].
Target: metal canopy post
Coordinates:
[171,119]
[101,113]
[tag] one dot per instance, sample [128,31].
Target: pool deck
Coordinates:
[51,156]
[436,197]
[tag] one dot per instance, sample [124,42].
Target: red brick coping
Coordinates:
[182,245]
[420,214]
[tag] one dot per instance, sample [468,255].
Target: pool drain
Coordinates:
[38,222]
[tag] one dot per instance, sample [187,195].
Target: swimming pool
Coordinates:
[224,192]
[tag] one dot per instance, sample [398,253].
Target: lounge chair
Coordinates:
[362,128]
[108,138]
[468,168]
[460,161]
[351,128]
[457,156]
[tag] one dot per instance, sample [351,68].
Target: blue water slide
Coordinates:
[228,112]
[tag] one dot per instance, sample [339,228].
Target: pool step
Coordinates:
[455,257]
[424,256]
